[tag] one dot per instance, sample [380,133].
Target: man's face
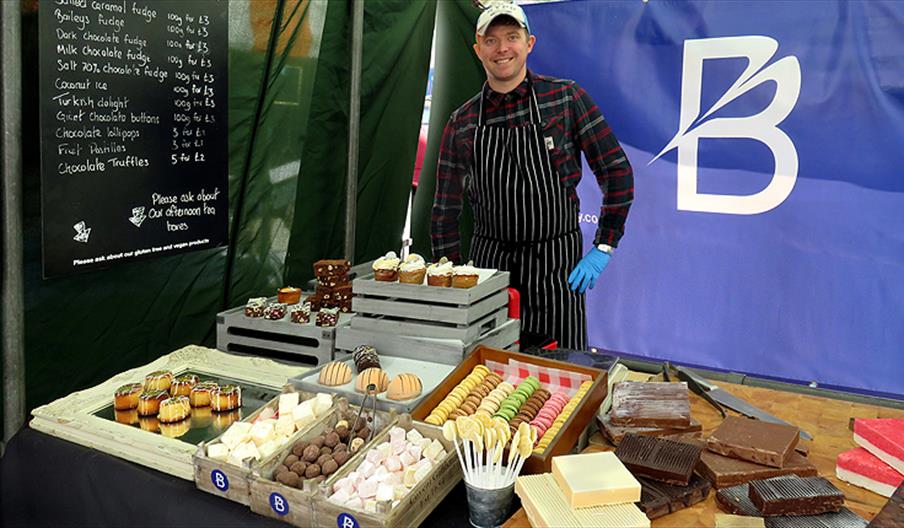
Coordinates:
[503,50]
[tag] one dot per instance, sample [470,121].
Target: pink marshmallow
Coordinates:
[393,463]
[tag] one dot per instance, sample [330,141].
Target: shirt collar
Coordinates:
[495,98]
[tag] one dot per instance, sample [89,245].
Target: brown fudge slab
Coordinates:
[331,267]
[795,496]
[659,459]
[658,499]
[723,471]
[615,433]
[651,404]
[843,518]
[754,440]
[736,499]
[892,514]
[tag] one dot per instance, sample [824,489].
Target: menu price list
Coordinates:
[133,130]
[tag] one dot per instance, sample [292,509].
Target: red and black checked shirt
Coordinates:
[575,124]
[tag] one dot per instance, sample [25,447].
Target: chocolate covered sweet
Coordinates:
[331,268]
[328,317]
[365,357]
[255,307]
[615,433]
[300,313]
[275,311]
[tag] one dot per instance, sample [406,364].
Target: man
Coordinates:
[514,149]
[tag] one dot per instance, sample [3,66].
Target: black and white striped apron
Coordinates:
[525,223]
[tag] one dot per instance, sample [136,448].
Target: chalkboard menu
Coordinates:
[133,130]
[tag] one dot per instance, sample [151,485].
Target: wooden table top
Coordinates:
[826,419]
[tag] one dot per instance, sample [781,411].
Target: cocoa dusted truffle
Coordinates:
[326,450]
[288,478]
[331,439]
[342,431]
[329,467]
[312,471]
[299,467]
[317,441]
[299,448]
[291,459]
[341,457]
[323,458]
[311,453]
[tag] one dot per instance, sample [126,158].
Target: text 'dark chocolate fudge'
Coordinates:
[795,496]
[658,499]
[332,268]
[754,440]
[658,458]
[651,404]
[327,317]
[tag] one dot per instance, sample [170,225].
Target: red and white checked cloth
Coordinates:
[551,379]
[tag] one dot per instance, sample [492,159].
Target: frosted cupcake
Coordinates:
[386,268]
[413,270]
[440,273]
[464,276]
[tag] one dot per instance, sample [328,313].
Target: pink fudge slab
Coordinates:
[859,467]
[884,438]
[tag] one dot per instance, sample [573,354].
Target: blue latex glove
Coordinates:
[588,270]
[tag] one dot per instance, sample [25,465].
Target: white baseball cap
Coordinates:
[502,8]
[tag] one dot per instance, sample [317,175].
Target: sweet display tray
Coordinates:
[431,374]
[489,281]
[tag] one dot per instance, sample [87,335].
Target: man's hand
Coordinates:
[588,270]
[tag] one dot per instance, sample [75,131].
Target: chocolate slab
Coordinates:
[659,459]
[724,472]
[754,440]
[844,518]
[795,496]
[615,433]
[658,499]
[736,499]
[651,404]
[892,514]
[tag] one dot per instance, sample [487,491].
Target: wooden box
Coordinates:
[565,440]
[413,507]
[258,336]
[231,481]
[292,505]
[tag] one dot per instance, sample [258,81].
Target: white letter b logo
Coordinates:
[761,127]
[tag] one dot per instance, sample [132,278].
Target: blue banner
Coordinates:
[767,140]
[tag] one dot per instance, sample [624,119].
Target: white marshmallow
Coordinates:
[385,492]
[218,451]
[413,435]
[262,432]
[393,463]
[303,414]
[367,489]
[287,403]
[396,434]
[285,425]
[422,472]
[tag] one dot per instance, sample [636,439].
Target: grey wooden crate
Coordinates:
[426,311]
[447,351]
[314,344]
[437,330]
[367,286]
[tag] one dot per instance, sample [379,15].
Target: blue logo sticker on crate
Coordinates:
[279,504]
[345,520]
[219,480]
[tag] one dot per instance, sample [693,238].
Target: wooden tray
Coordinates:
[259,336]
[231,481]
[74,417]
[413,508]
[565,440]
[446,351]
[494,281]
[292,505]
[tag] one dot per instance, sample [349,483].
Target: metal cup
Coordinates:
[489,508]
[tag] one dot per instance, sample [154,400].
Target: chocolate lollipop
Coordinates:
[365,357]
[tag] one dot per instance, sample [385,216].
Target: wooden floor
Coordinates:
[827,420]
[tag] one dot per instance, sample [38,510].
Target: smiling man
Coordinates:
[514,150]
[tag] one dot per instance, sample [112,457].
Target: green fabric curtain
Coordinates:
[396,62]
[457,76]
[287,102]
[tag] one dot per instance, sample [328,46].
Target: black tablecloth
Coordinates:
[51,482]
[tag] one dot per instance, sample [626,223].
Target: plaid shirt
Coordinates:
[574,123]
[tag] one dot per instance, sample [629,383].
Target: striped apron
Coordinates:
[525,223]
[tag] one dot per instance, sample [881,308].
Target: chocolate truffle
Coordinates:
[312,471]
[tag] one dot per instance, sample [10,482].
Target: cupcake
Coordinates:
[288,295]
[464,276]
[386,268]
[413,269]
[440,273]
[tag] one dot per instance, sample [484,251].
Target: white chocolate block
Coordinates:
[285,425]
[594,479]
[303,414]
[546,506]
[322,403]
